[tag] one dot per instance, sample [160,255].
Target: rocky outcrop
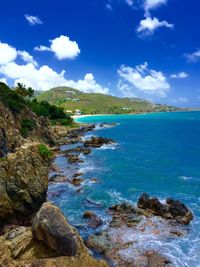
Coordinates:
[98,142]
[11,126]
[172,210]
[10,136]
[23,182]
[51,227]
[50,236]
[93,220]
[124,214]
[58,178]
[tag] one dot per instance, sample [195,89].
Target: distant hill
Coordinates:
[92,103]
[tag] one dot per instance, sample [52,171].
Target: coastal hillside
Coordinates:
[92,103]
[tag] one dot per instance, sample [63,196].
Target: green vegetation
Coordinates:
[11,99]
[20,97]
[71,99]
[27,126]
[44,151]
[21,90]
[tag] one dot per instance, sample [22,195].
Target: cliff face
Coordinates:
[9,131]
[23,182]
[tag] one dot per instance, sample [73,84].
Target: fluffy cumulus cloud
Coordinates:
[144,79]
[88,85]
[62,47]
[27,57]
[180,75]
[149,25]
[152,4]
[40,78]
[7,53]
[33,20]
[193,57]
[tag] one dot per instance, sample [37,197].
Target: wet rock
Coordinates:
[124,214]
[56,194]
[58,178]
[100,242]
[74,159]
[98,142]
[93,220]
[51,227]
[77,174]
[173,209]
[93,203]
[155,259]
[77,181]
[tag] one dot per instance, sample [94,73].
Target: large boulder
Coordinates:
[173,209]
[23,182]
[51,227]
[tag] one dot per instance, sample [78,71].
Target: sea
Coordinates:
[156,153]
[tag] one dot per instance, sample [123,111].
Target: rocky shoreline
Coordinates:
[35,232]
[149,217]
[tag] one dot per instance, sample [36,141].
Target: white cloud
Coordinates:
[126,89]
[40,78]
[180,75]
[145,79]
[149,25]
[33,20]
[44,78]
[109,6]
[180,99]
[194,57]
[129,2]
[7,53]
[3,80]
[27,57]
[152,4]
[62,47]
[88,85]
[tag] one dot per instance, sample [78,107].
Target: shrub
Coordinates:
[27,126]
[11,99]
[44,151]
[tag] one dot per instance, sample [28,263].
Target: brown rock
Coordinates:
[94,220]
[173,209]
[23,182]
[98,142]
[51,227]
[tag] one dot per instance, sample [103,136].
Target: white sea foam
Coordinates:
[117,197]
[185,178]
[109,146]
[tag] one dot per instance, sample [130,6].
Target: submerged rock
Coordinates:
[94,220]
[173,209]
[58,178]
[51,227]
[98,142]
[74,159]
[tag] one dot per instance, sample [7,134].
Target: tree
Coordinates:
[21,90]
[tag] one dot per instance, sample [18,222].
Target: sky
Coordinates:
[128,48]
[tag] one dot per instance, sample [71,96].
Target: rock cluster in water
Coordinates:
[119,242]
[172,210]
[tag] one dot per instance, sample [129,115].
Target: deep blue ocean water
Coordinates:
[157,153]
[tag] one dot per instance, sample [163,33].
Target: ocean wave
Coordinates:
[109,146]
[117,197]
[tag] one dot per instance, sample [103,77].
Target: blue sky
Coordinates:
[137,48]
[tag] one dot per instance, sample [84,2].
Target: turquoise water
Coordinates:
[155,153]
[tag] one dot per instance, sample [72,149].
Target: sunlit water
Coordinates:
[155,153]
